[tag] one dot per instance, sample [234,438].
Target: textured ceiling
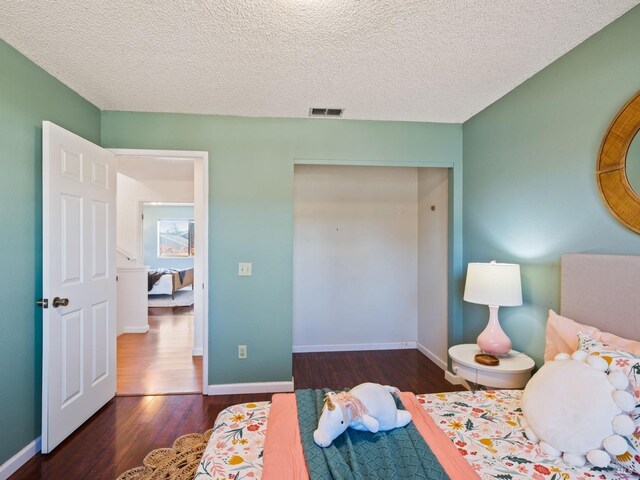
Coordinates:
[423,60]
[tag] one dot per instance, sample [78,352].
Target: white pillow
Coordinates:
[575,410]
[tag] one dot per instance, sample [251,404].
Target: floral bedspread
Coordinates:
[234,451]
[486,428]
[484,425]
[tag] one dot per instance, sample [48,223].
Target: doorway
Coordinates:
[159,193]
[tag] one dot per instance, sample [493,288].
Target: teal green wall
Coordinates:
[28,95]
[530,191]
[251,211]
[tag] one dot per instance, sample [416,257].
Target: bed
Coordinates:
[168,281]
[484,428]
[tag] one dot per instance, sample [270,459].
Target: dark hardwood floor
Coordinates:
[119,436]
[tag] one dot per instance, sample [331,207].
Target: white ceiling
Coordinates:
[157,168]
[422,60]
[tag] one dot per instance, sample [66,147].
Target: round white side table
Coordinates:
[514,370]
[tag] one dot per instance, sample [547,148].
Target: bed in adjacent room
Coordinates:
[165,281]
[473,434]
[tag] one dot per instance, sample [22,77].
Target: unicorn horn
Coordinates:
[327,400]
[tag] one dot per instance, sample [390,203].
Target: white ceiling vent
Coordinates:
[325,112]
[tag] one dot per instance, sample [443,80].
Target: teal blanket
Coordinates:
[396,454]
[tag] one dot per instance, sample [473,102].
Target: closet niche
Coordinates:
[370,258]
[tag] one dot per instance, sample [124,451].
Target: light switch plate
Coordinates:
[244,269]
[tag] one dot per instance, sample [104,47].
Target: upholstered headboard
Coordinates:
[602,291]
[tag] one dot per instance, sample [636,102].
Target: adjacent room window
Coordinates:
[175,238]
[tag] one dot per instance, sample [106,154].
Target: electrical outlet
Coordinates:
[242,351]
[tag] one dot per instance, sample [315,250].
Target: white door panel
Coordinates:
[79,339]
[100,346]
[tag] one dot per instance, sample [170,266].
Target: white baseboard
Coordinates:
[144,329]
[432,356]
[197,352]
[256,387]
[352,347]
[9,467]
[454,379]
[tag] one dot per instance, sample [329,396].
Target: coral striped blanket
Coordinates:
[284,456]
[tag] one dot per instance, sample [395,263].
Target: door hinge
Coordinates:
[43,302]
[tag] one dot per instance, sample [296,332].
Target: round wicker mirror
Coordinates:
[616,191]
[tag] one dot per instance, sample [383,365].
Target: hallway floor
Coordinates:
[160,361]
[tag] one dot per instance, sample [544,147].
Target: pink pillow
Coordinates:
[562,337]
[630,346]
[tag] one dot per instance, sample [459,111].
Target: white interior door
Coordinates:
[79,350]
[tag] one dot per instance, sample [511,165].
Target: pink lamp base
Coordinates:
[493,340]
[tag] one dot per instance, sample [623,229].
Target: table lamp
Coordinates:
[496,285]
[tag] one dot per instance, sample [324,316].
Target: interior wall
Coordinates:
[153,213]
[131,193]
[433,261]
[355,257]
[28,95]
[251,212]
[530,191]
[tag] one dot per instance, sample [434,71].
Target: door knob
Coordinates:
[60,302]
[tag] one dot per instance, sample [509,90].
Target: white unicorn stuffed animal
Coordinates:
[367,407]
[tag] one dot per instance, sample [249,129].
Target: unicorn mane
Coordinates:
[357,410]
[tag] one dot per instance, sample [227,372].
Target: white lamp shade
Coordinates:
[493,284]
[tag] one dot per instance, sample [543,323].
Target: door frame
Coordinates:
[201,217]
